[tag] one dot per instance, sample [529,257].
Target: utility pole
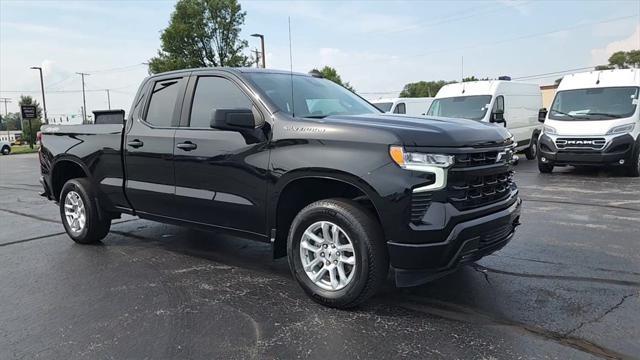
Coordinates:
[264,64]
[44,102]
[108,98]
[6,113]
[84,100]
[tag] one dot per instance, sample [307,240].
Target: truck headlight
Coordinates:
[549,130]
[419,161]
[621,129]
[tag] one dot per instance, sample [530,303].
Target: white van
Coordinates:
[594,120]
[409,106]
[515,105]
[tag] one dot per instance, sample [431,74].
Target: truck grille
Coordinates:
[580,143]
[476,159]
[420,203]
[469,191]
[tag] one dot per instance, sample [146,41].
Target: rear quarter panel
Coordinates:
[96,148]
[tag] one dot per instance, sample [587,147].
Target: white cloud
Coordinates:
[601,56]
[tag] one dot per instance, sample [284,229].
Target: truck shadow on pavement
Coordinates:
[465,296]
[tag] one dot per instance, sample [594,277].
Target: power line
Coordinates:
[116,69]
[552,73]
[481,45]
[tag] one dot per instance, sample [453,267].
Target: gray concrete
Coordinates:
[566,287]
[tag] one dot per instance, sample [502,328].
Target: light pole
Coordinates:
[264,65]
[44,102]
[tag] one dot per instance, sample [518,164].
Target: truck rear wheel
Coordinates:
[79,212]
[6,150]
[337,253]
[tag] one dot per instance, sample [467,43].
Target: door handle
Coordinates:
[187,146]
[135,143]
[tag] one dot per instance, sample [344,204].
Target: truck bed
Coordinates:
[97,148]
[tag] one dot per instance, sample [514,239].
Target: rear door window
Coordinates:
[163,102]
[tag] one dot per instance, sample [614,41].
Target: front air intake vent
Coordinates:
[420,203]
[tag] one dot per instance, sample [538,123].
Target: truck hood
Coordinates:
[429,131]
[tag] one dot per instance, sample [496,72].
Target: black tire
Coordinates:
[634,168]
[95,228]
[6,150]
[365,233]
[532,151]
[545,168]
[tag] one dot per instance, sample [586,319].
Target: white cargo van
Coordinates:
[594,120]
[513,104]
[408,106]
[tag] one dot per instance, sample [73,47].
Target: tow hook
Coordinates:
[516,222]
[515,160]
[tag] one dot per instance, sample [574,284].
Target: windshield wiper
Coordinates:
[613,116]
[564,113]
[315,117]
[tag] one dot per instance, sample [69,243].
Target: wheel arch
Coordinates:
[65,168]
[288,198]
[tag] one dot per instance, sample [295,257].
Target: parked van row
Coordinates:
[593,121]
[406,106]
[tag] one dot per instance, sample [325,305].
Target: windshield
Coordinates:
[595,104]
[384,107]
[464,107]
[312,97]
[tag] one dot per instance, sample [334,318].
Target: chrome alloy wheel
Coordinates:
[328,256]
[74,212]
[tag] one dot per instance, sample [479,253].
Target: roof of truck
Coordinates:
[486,87]
[603,78]
[232,69]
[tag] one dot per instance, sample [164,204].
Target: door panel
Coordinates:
[148,149]
[220,181]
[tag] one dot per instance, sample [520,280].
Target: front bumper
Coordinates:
[616,149]
[468,241]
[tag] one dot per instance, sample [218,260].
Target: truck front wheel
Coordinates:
[337,253]
[79,212]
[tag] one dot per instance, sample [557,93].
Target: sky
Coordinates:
[378,46]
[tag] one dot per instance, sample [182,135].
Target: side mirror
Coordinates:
[497,116]
[542,114]
[233,119]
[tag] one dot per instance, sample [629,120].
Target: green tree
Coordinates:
[10,122]
[202,33]
[473,78]
[31,128]
[622,60]
[618,59]
[423,88]
[330,73]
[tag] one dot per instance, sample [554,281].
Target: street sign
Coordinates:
[29,112]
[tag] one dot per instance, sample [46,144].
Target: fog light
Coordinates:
[544,159]
[621,162]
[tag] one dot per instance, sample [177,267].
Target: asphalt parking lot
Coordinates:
[566,287]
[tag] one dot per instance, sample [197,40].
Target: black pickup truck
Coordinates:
[293,159]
